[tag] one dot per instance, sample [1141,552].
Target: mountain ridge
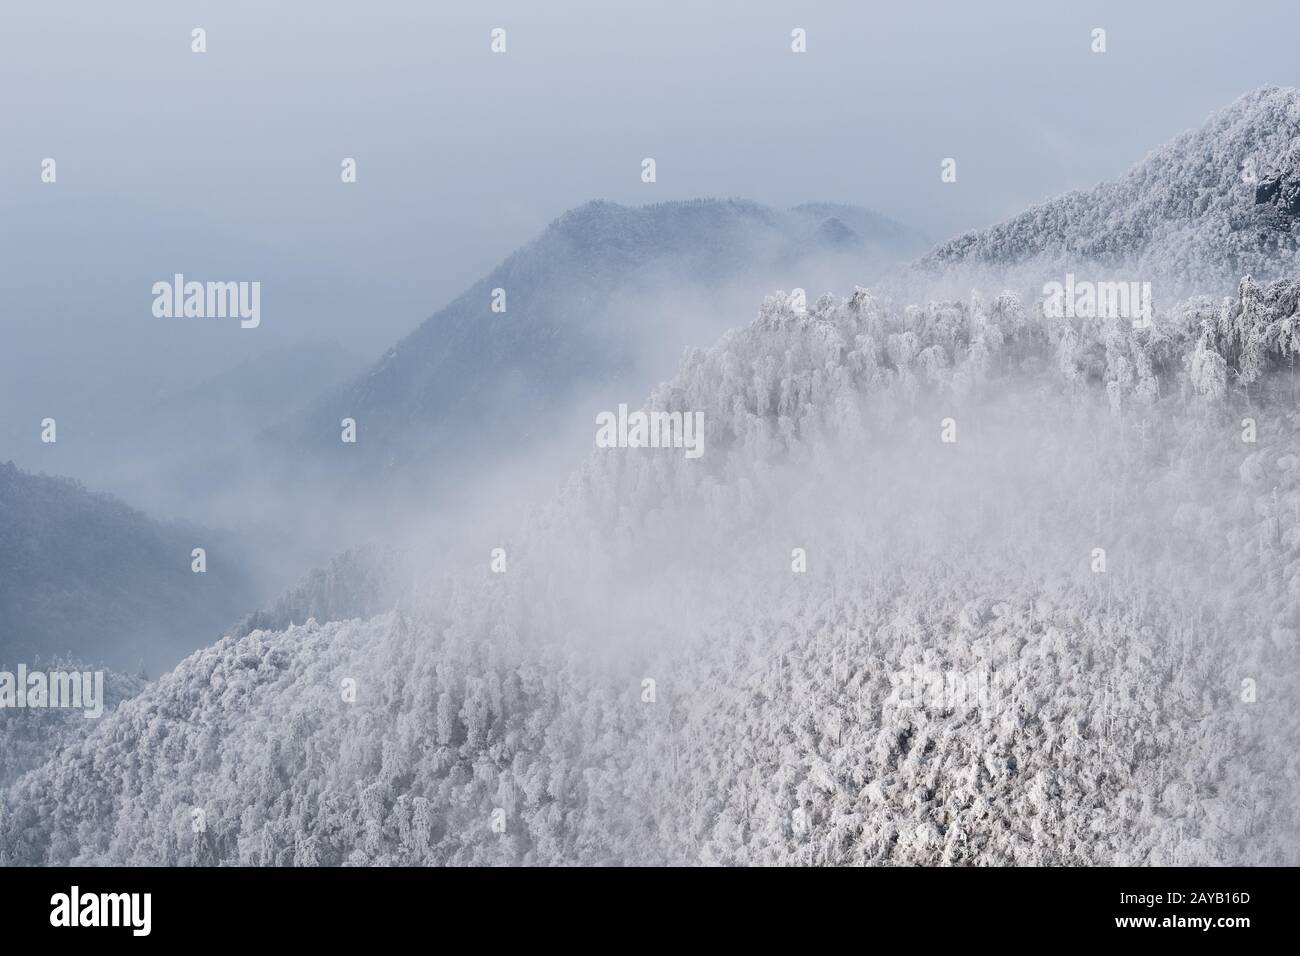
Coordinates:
[551,340]
[1197,203]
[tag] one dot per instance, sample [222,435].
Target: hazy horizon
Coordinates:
[463,156]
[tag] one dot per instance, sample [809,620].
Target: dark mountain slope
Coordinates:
[581,300]
[84,574]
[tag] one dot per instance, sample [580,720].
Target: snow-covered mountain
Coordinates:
[953,582]
[1067,635]
[1199,212]
[360,582]
[584,303]
[30,735]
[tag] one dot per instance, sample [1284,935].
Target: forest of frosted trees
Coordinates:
[1202,210]
[1109,542]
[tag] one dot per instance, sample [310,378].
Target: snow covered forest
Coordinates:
[1145,713]
[1212,205]
[957,579]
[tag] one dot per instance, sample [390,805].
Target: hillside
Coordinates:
[953,679]
[585,302]
[1211,205]
[84,574]
[360,582]
[28,736]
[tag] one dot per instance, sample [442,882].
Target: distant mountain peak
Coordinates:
[834,233]
[591,284]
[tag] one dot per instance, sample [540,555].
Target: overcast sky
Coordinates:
[230,160]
